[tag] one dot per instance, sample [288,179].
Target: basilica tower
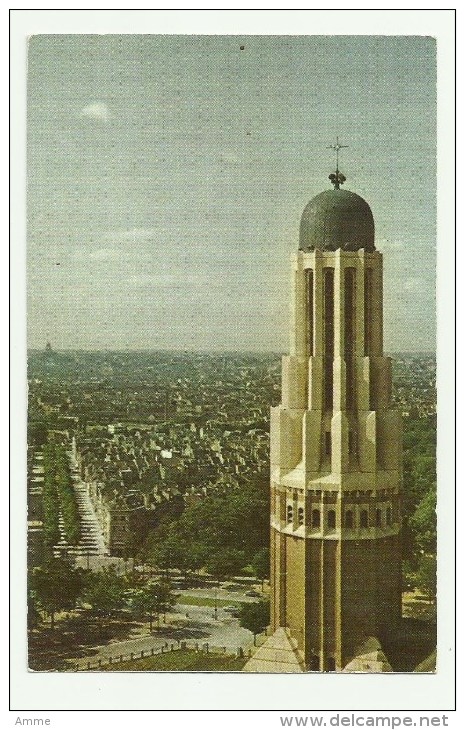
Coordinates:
[336,454]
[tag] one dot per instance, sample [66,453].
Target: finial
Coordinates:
[337,178]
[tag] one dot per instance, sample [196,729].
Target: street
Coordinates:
[199,625]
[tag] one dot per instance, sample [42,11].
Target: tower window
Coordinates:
[328,318]
[368,310]
[331,519]
[290,513]
[300,515]
[349,334]
[309,284]
[328,443]
[389,516]
[378,518]
[349,519]
[364,518]
[316,518]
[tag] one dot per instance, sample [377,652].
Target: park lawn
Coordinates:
[205,601]
[179,661]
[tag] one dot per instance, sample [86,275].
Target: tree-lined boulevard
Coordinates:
[207,451]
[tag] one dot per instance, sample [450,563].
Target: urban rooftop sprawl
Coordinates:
[150,427]
[158,443]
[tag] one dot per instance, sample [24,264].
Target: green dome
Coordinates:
[337,219]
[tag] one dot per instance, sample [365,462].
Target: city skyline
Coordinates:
[167,176]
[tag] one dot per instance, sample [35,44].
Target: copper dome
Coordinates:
[337,219]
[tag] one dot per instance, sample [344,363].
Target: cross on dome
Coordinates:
[337,178]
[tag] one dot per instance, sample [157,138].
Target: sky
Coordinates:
[167,176]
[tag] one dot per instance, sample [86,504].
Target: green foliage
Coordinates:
[424,522]
[255,616]
[50,499]
[225,563]
[179,661]
[221,531]
[419,495]
[261,563]
[105,591]
[170,546]
[426,575]
[59,495]
[152,599]
[56,586]
[33,610]
[36,433]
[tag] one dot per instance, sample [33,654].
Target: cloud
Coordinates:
[97,111]
[85,253]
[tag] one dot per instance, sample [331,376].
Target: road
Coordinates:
[220,594]
[198,626]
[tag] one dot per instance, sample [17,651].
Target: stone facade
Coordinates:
[336,464]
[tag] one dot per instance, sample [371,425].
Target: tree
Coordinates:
[426,576]
[261,564]
[33,613]
[58,494]
[50,502]
[166,549]
[36,433]
[225,563]
[234,522]
[419,496]
[105,591]
[424,522]
[152,599]
[170,546]
[56,585]
[255,617]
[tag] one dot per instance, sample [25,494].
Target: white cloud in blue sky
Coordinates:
[98,111]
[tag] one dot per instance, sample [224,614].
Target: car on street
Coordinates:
[253,594]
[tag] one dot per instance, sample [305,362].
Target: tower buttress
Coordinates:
[335,445]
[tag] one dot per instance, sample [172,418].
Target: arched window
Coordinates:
[331,519]
[349,337]
[364,518]
[368,310]
[389,516]
[328,335]
[378,518]
[309,312]
[349,519]
[316,518]
[290,513]
[300,515]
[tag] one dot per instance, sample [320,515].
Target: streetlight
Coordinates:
[216,607]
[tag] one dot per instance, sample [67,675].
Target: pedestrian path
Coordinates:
[91,542]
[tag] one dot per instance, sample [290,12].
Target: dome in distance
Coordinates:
[337,219]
